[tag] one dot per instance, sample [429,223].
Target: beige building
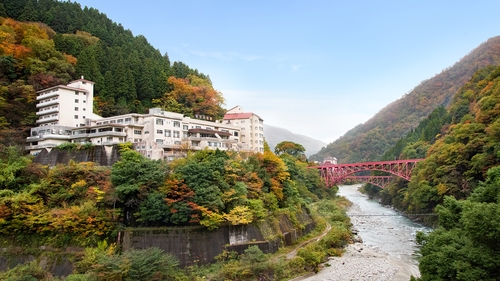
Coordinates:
[65,115]
[252,128]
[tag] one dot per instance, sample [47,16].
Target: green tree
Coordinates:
[12,164]
[134,176]
[465,246]
[292,148]
[29,12]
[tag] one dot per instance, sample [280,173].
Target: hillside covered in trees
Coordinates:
[86,205]
[459,179]
[46,43]
[370,140]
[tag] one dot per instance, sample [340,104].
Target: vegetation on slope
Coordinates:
[85,205]
[369,141]
[459,179]
[82,203]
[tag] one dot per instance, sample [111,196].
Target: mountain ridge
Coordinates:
[368,141]
[275,135]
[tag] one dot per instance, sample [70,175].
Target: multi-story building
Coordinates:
[59,110]
[65,115]
[252,128]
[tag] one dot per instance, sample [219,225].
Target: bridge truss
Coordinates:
[334,174]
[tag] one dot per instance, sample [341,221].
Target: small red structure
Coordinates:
[334,174]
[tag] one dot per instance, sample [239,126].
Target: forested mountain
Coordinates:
[275,135]
[47,42]
[369,141]
[459,179]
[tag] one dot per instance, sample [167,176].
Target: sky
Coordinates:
[316,68]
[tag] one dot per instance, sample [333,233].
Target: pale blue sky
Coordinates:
[316,68]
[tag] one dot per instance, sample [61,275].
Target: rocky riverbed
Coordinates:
[386,254]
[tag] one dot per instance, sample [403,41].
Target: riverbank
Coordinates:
[386,253]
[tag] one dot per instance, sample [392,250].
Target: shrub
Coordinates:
[26,272]
[313,255]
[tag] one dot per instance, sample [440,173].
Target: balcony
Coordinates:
[99,135]
[46,120]
[106,134]
[48,111]
[48,136]
[47,95]
[47,103]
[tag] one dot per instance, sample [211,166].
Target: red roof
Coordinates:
[232,116]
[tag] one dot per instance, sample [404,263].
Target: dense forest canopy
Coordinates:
[459,179]
[46,43]
[370,140]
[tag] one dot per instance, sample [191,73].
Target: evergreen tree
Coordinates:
[29,12]
[3,11]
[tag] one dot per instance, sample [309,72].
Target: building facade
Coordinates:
[252,128]
[65,115]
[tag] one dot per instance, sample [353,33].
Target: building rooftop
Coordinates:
[231,116]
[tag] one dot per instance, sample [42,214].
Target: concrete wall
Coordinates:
[196,245]
[102,155]
[191,245]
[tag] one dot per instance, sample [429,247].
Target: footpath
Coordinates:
[361,262]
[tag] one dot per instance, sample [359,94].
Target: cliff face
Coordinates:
[102,155]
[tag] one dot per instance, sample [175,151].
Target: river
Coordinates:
[388,250]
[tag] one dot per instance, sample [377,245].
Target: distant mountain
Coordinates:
[369,141]
[275,135]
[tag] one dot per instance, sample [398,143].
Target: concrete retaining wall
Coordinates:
[196,245]
[102,155]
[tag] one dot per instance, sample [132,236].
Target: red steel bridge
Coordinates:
[334,174]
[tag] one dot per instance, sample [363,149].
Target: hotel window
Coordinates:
[76,100]
[177,124]
[176,134]
[159,141]
[109,139]
[119,121]
[198,127]
[177,142]
[167,133]
[256,134]
[209,128]
[159,121]
[84,109]
[185,127]
[76,108]
[76,93]
[137,132]
[242,121]
[127,120]
[184,134]
[76,116]
[159,131]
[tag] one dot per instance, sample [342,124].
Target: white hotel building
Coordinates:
[65,115]
[252,128]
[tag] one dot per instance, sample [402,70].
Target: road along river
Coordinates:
[388,250]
